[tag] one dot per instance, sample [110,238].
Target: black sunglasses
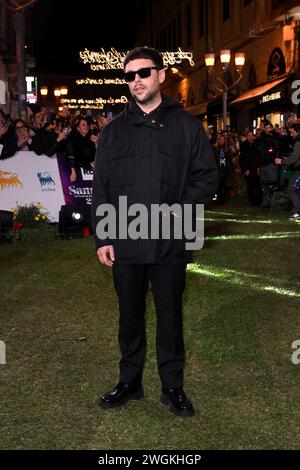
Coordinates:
[142,73]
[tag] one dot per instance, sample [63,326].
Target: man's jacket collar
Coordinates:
[135,114]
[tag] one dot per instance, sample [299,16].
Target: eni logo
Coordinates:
[2,353]
[9,179]
[45,178]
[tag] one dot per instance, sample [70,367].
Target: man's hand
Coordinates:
[278,161]
[106,255]
[247,172]
[94,138]
[73,176]
[22,140]
[61,136]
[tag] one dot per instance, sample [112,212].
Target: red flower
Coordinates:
[17,225]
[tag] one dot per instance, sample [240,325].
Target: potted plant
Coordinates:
[32,223]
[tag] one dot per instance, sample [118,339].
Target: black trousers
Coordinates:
[254,190]
[168,283]
[221,192]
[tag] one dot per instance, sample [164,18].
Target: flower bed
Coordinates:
[32,224]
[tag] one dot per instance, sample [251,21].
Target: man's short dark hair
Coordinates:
[144,53]
[268,123]
[296,127]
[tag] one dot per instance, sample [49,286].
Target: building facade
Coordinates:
[267,31]
[16,58]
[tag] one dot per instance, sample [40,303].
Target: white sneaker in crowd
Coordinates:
[295,216]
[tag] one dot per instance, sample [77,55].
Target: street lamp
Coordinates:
[58,92]
[225,57]
[44,90]
[63,90]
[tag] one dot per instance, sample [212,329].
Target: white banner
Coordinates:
[28,178]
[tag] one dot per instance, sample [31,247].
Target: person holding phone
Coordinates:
[80,148]
[293,162]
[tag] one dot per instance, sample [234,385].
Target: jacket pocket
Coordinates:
[173,163]
[121,168]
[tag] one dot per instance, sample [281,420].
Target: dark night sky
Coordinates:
[64,27]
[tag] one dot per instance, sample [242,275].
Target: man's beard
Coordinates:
[150,95]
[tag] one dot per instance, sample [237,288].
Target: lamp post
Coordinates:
[44,90]
[20,56]
[58,92]
[225,56]
[63,90]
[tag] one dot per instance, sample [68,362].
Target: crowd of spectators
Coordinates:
[268,159]
[47,133]
[252,155]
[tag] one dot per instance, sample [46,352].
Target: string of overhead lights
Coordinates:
[113,59]
[100,81]
[96,101]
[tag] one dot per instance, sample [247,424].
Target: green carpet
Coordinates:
[59,321]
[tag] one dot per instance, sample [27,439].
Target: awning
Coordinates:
[259,90]
[199,108]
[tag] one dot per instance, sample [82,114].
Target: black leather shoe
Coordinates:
[177,401]
[120,395]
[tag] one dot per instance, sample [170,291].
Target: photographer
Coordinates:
[268,144]
[293,162]
[250,162]
[22,138]
[80,148]
[54,137]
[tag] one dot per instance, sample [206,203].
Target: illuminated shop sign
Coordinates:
[276,65]
[31,89]
[97,103]
[272,97]
[113,59]
[100,81]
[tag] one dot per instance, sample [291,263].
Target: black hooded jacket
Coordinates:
[293,161]
[80,150]
[162,157]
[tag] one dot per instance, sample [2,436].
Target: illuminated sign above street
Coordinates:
[100,81]
[271,97]
[277,65]
[113,59]
[97,103]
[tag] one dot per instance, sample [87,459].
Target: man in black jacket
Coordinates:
[250,162]
[152,153]
[293,162]
[269,146]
